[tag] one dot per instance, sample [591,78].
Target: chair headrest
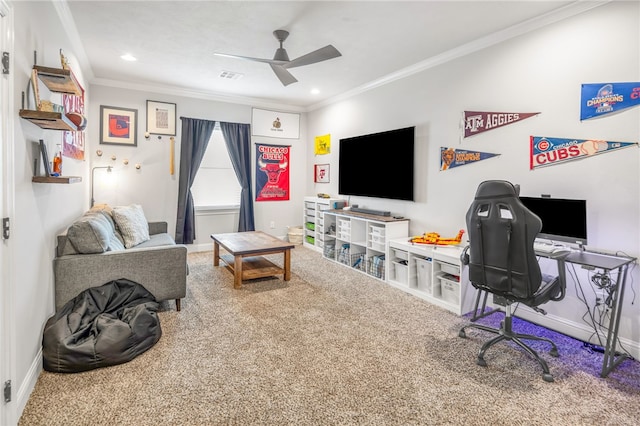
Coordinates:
[497,189]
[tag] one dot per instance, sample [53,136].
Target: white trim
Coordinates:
[69,25]
[549,18]
[29,383]
[205,210]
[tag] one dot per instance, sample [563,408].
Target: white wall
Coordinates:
[541,71]
[153,187]
[41,210]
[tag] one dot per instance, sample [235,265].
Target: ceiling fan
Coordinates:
[281,63]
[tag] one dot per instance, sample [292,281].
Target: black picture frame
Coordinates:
[45,158]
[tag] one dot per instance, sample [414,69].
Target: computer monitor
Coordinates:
[562,219]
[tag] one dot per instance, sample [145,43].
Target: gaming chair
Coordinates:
[502,262]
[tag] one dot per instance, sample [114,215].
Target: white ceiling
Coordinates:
[174,42]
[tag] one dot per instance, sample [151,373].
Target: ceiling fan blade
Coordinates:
[285,76]
[322,54]
[249,58]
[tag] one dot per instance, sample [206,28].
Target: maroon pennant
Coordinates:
[476,122]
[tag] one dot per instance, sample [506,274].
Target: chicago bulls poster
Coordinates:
[272,172]
[605,98]
[550,151]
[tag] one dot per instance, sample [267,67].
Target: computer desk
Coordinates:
[608,263]
[596,261]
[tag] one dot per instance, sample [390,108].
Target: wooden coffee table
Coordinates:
[244,258]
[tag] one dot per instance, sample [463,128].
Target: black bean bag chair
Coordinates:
[102,326]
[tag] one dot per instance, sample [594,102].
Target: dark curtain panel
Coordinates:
[195,138]
[238,139]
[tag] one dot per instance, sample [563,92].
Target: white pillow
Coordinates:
[132,224]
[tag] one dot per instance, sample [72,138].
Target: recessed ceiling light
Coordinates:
[128,57]
[315,91]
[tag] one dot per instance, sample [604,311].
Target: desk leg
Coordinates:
[237,272]
[610,362]
[216,254]
[287,265]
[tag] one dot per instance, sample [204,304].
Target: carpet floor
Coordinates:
[331,346]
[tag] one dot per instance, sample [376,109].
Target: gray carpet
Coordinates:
[331,346]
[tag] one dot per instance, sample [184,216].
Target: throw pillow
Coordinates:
[132,224]
[91,233]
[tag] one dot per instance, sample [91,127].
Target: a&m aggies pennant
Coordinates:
[451,157]
[550,151]
[476,122]
[600,99]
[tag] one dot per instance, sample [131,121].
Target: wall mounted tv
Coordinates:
[378,165]
[562,219]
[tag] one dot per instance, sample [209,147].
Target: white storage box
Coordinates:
[402,272]
[450,269]
[423,269]
[450,291]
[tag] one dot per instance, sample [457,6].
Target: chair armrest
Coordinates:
[162,270]
[157,228]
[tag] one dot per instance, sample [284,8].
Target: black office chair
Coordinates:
[502,262]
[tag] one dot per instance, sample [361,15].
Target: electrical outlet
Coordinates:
[272,224]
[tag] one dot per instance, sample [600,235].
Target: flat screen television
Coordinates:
[562,219]
[378,165]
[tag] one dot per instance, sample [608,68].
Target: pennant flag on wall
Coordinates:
[551,151]
[476,122]
[451,157]
[605,98]
[272,172]
[323,145]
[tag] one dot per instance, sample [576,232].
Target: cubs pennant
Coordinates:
[550,151]
[476,122]
[605,98]
[451,157]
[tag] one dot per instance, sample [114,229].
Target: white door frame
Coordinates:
[8,411]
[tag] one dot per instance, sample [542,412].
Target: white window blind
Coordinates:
[216,184]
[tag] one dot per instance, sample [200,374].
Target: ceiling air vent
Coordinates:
[230,75]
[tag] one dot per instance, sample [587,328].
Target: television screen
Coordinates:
[562,219]
[378,165]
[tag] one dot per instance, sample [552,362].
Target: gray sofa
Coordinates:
[93,252]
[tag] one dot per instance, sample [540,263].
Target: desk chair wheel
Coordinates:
[462,334]
[547,377]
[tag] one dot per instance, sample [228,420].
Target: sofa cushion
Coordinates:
[132,224]
[92,233]
[157,240]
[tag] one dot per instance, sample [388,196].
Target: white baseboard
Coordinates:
[29,383]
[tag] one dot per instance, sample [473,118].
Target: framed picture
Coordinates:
[118,126]
[321,173]
[161,118]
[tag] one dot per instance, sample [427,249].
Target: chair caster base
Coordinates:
[547,377]
[481,362]
[554,352]
[462,334]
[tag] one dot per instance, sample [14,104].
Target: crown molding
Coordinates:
[197,94]
[549,18]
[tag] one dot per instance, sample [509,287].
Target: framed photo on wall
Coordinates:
[321,173]
[161,118]
[118,126]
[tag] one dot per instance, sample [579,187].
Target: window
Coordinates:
[216,184]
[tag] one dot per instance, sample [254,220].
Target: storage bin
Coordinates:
[310,239]
[450,269]
[295,234]
[376,266]
[310,225]
[423,269]
[450,291]
[402,272]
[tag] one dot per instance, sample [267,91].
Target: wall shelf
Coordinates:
[56,179]
[48,120]
[58,80]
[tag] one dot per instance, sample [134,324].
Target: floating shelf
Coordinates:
[56,179]
[59,80]
[48,120]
